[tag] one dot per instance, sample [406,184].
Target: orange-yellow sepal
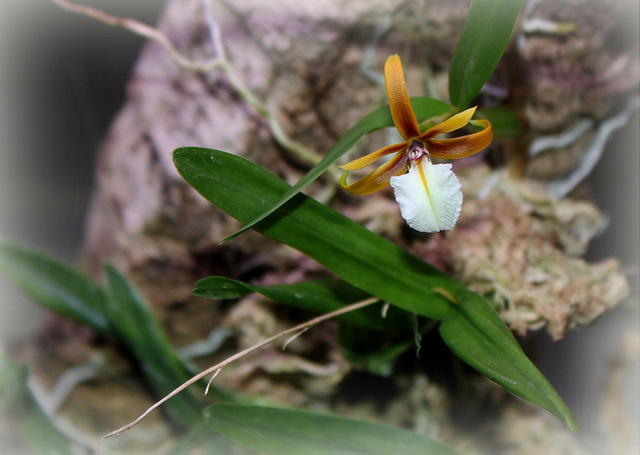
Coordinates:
[366,160]
[463,146]
[378,179]
[399,102]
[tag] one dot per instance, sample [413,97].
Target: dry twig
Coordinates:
[220,62]
[216,368]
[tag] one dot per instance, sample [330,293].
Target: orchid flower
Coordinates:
[429,194]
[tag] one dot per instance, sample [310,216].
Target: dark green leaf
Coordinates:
[218,287]
[482,42]
[357,255]
[242,188]
[139,330]
[322,296]
[425,108]
[17,401]
[476,334]
[274,431]
[55,286]
[373,351]
[379,352]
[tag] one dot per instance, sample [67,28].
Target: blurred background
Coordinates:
[63,78]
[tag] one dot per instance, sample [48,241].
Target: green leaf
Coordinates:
[482,42]
[379,352]
[322,296]
[425,108]
[360,257]
[274,431]
[55,286]
[375,265]
[373,351]
[139,330]
[18,402]
[202,440]
[476,334]
[504,121]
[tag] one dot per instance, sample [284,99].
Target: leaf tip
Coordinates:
[572,423]
[231,237]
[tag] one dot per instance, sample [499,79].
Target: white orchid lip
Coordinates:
[429,196]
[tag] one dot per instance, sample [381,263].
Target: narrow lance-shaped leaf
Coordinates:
[375,352]
[142,334]
[55,286]
[425,108]
[274,431]
[476,334]
[360,257]
[360,337]
[18,402]
[322,296]
[482,42]
[367,261]
[201,440]
[504,121]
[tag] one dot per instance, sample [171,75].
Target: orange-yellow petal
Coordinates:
[372,157]
[460,147]
[399,103]
[453,123]
[377,179]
